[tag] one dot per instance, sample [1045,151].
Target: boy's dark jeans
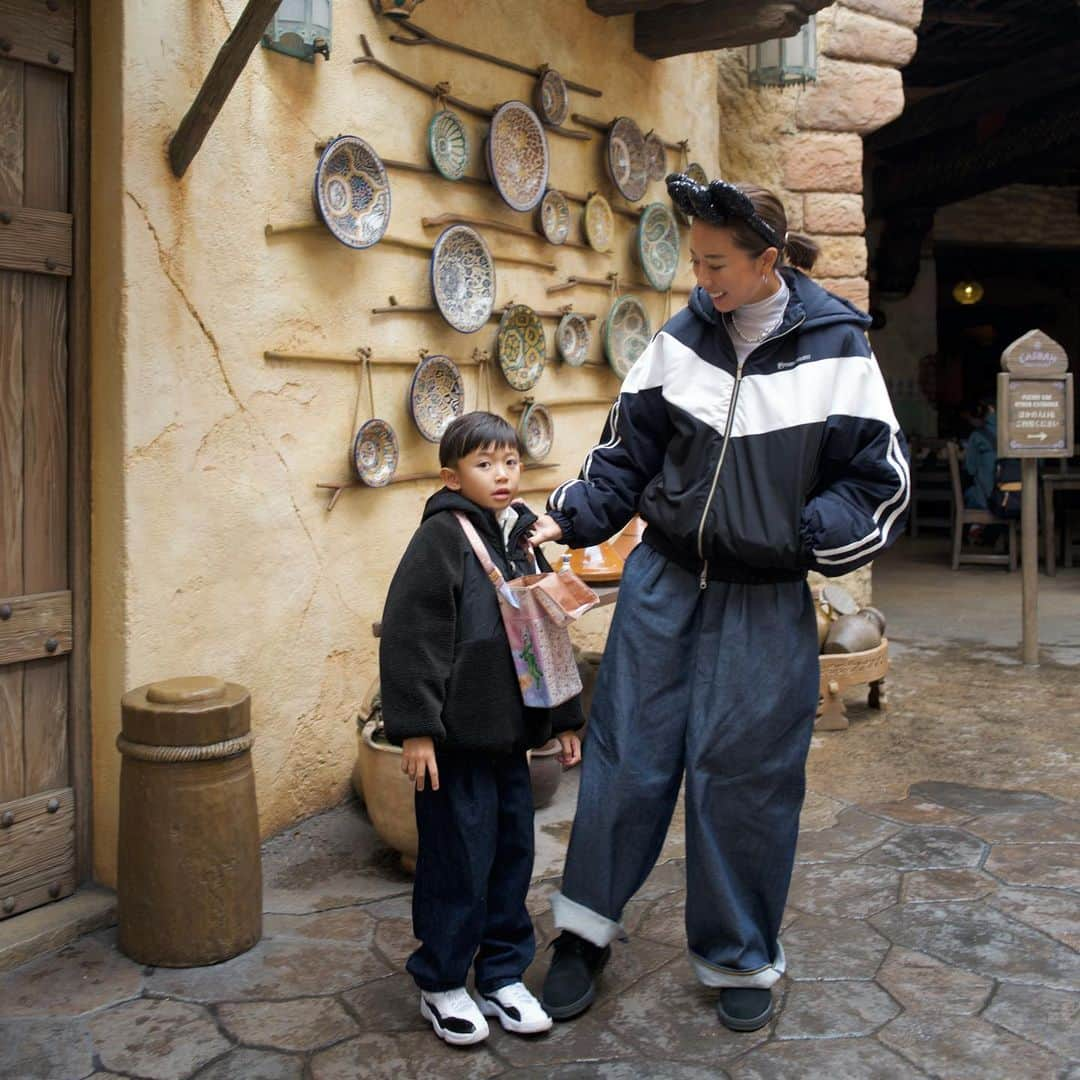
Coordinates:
[472,873]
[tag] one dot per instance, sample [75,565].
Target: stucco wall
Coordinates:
[213,549]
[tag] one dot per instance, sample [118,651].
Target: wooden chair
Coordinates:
[964,515]
[1071,530]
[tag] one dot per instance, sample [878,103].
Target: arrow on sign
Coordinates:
[1042,435]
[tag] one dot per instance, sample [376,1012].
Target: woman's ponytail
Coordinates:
[800,251]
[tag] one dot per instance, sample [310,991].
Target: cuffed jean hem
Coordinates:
[583,921]
[759,979]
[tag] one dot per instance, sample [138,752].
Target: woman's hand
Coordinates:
[570,748]
[544,530]
[418,758]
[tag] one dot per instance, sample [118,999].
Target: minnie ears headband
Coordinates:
[717,203]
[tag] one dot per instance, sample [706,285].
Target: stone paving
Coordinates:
[932,930]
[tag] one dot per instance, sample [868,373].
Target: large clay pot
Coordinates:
[388,795]
[545,773]
[853,634]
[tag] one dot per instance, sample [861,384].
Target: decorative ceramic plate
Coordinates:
[517,153]
[448,144]
[697,173]
[375,453]
[554,217]
[463,278]
[352,192]
[655,157]
[627,332]
[626,158]
[599,223]
[573,338]
[436,396]
[658,245]
[551,99]
[521,347]
[536,431]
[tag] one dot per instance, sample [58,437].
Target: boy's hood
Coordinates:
[808,298]
[445,501]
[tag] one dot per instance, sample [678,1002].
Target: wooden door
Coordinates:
[42,746]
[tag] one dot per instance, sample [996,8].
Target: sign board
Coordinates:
[1035,416]
[1035,353]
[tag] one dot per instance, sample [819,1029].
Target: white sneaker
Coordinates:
[518,1011]
[454,1016]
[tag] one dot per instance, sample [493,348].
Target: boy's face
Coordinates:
[489,476]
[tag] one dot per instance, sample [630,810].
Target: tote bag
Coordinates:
[536,611]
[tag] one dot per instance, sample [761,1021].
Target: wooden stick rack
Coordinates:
[500,226]
[358,358]
[562,403]
[337,487]
[437,92]
[425,37]
[605,126]
[497,313]
[626,211]
[609,282]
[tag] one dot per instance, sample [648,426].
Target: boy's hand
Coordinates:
[543,530]
[418,758]
[571,748]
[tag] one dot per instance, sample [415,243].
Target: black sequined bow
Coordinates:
[717,203]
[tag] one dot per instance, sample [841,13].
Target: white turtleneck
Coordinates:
[755,319]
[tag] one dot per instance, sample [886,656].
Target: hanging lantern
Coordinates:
[785,61]
[967,292]
[300,28]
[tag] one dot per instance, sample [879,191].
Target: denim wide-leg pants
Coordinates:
[721,685]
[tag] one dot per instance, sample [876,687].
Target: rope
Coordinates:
[144,752]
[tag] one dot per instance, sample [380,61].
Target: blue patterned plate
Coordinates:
[517,156]
[375,453]
[448,144]
[658,245]
[521,346]
[436,396]
[573,338]
[463,278]
[352,192]
[536,430]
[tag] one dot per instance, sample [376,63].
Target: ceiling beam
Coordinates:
[958,166]
[718,24]
[1042,75]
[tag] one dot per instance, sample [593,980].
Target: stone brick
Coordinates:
[855,36]
[855,289]
[840,257]
[850,97]
[816,161]
[839,215]
[905,12]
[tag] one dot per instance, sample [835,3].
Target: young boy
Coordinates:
[451,699]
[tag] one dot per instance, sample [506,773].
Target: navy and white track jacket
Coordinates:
[793,461]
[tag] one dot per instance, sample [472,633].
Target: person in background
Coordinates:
[980,461]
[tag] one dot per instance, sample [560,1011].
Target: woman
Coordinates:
[755,437]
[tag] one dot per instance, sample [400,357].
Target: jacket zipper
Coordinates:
[703,581]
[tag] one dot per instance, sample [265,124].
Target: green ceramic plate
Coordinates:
[627,333]
[448,145]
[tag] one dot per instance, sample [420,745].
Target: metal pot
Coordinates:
[853,634]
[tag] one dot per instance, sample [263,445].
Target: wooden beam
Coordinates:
[1034,77]
[719,24]
[959,166]
[231,58]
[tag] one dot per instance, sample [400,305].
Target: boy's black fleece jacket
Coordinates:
[444,661]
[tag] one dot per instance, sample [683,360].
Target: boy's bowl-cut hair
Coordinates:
[474,431]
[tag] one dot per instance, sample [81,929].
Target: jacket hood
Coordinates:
[444,501]
[808,298]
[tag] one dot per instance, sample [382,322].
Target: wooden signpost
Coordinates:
[1035,420]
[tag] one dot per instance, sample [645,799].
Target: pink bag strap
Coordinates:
[478,545]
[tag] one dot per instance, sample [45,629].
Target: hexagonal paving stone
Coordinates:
[1054,912]
[345,924]
[388,1004]
[922,984]
[391,1057]
[633,1069]
[163,1040]
[301,1024]
[253,1065]
[979,938]
[979,800]
[1050,1018]
[967,1048]
[587,1038]
[926,886]
[819,947]
[665,921]
[85,975]
[1046,865]
[45,1050]
[1029,827]
[913,811]
[927,847]
[853,834]
[274,970]
[819,812]
[822,1059]
[670,1015]
[843,889]
[395,940]
[666,878]
[834,1010]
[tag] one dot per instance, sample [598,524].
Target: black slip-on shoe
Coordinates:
[570,986]
[744,1009]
